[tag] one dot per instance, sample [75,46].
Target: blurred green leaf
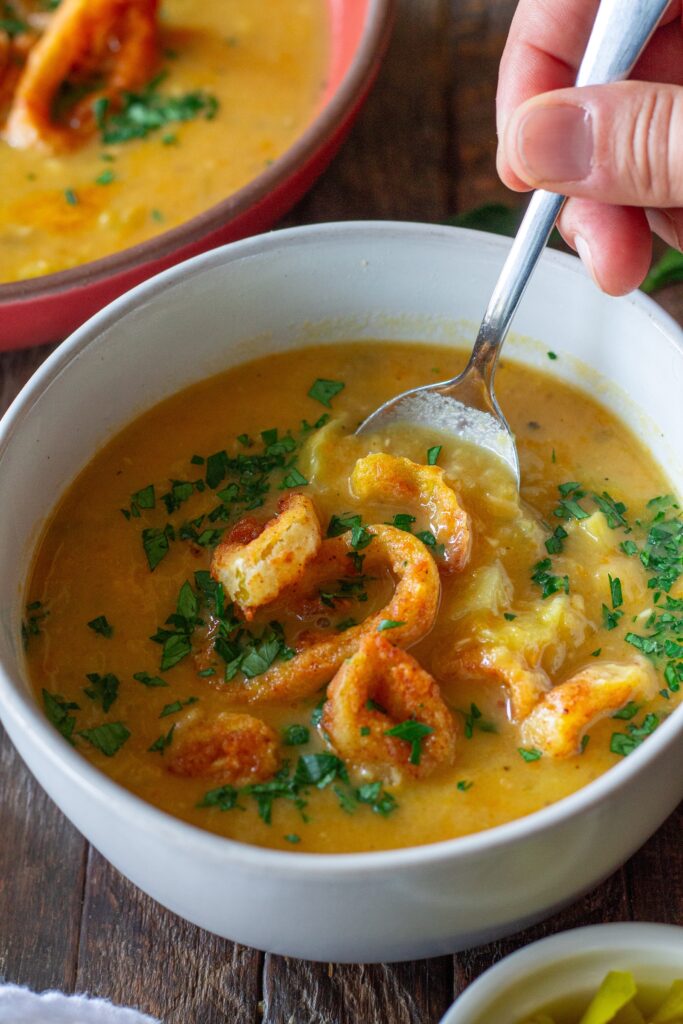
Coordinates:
[667,270]
[498,219]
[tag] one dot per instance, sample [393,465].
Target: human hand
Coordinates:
[617,150]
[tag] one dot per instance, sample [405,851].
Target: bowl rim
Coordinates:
[27,715]
[553,949]
[375,36]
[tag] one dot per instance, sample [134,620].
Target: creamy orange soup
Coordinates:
[543,648]
[247,75]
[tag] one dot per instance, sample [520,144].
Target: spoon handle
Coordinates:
[621,31]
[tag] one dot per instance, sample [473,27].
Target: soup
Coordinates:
[236,554]
[233,85]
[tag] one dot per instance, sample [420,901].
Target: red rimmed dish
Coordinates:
[45,309]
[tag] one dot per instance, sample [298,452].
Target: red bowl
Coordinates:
[47,309]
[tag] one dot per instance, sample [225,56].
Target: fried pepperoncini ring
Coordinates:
[413,607]
[254,568]
[394,480]
[91,41]
[524,685]
[232,748]
[378,689]
[559,722]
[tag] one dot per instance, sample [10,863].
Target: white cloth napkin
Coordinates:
[19,1006]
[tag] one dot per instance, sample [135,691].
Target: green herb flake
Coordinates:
[148,110]
[547,581]
[529,753]
[324,390]
[610,619]
[412,732]
[57,711]
[624,744]
[163,742]
[103,689]
[433,454]
[552,355]
[147,680]
[365,730]
[389,624]
[615,591]
[509,616]
[628,712]
[292,837]
[296,735]
[101,626]
[71,197]
[293,479]
[107,738]
[463,785]
[177,705]
[106,177]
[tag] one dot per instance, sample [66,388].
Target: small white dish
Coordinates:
[566,964]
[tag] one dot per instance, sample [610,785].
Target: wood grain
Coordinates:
[423,149]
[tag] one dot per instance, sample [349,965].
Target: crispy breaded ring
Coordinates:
[254,573]
[395,480]
[414,604]
[380,672]
[118,38]
[231,748]
[558,723]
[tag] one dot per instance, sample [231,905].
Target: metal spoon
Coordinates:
[466,406]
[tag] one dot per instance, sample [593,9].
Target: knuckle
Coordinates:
[652,147]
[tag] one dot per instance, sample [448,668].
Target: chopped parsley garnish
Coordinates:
[403,521]
[177,705]
[475,720]
[144,499]
[345,624]
[414,733]
[71,197]
[433,454]
[176,642]
[612,510]
[389,624]
[463,785]
[624,743]
[148,110]
[107,738]
[529,753]
[101,626]
[569,508]
[30,626]
[547,581]
[628,712]
[509,616]
[325,390]
[156,544]
[296,735]
[164,741]
[552,355]
[554,543]
[180,492]
[610,619]
[292,837]
[615,591]
[103,689]
[57,710]
[106,177]
[147,680]
[293,479]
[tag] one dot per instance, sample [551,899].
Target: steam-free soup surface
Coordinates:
[539,582]
[260,67]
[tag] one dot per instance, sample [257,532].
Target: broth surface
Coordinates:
[264,63]
[91,563]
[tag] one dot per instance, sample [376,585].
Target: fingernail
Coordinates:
[555,143]
[581,246]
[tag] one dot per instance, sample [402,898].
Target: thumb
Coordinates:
[620,144]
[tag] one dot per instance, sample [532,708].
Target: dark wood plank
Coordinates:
[42,871]
[394,165]
[306,993]
[138,954]
[15,370]
[609,902]
[655,875]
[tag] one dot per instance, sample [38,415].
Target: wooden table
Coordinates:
[422,150]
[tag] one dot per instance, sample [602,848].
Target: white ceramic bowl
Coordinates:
[566,964]
[289,288]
